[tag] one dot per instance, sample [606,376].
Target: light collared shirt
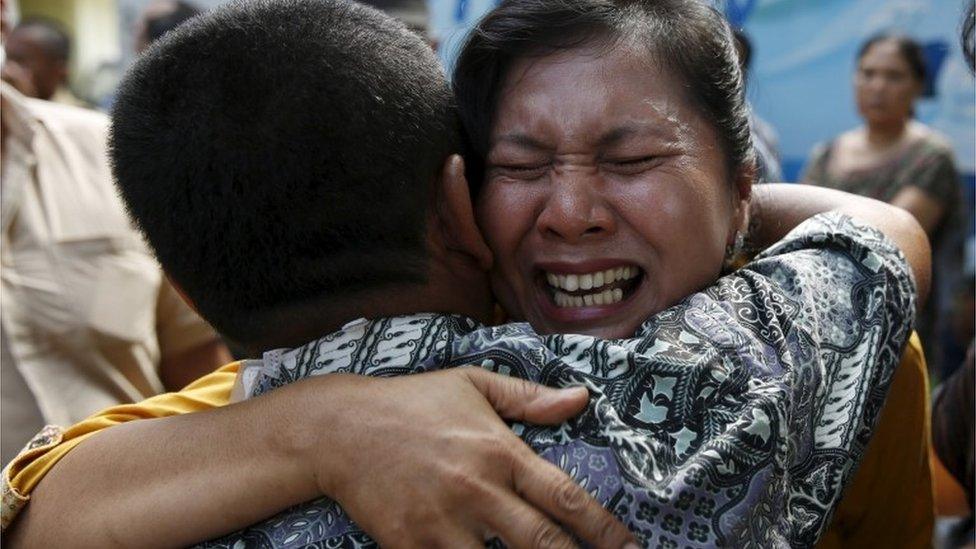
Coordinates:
[87,314]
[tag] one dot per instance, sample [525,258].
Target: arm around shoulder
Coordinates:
[778,208]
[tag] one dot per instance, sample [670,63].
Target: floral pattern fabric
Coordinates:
[734,418]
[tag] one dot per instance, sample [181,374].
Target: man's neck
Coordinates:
[320,318]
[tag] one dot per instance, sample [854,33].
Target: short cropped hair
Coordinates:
[276,152]
[53,37]
[687,37]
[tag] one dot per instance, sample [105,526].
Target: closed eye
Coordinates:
[525,172]
[630,166]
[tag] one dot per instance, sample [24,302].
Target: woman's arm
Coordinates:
[932,189]
[778,208]
[920,204]
[415,460]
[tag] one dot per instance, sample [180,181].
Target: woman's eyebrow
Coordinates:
[628,131]
[519,140]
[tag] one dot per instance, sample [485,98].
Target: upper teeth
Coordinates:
[573,282]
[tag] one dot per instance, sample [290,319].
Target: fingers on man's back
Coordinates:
[521,400]
[553,492]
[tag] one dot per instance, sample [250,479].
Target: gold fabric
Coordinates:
[889,503]
[21,475]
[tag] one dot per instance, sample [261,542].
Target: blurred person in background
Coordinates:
[155,20]
[88,319]
[40,49]
[158,18]
[952,455]
[899,160]
[764,138]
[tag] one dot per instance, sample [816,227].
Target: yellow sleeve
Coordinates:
[23,473]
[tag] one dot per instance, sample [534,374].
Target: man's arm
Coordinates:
[920,204]
[216,471]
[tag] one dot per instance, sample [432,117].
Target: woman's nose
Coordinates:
[576,209]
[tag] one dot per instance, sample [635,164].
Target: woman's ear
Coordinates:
[455,214]
[741,199]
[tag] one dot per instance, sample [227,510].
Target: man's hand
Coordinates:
[422,460]
[426,461]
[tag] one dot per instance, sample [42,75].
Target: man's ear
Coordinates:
[182,294]
[455,214]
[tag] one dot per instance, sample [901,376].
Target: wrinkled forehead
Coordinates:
[611,53]
[589,88]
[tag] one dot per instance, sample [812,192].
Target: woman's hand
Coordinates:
[426,461]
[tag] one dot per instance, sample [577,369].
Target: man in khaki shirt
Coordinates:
[88,319]
[41,47]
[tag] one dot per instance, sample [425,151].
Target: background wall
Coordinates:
[101,34]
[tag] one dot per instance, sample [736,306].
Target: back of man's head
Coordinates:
[280,152]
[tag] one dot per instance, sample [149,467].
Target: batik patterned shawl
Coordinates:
[734,418]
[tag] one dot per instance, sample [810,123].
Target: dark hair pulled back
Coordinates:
[909,49]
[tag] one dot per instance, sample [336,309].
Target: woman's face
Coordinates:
[606,197]
[884,85]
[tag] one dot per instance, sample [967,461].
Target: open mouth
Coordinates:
[605,287]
